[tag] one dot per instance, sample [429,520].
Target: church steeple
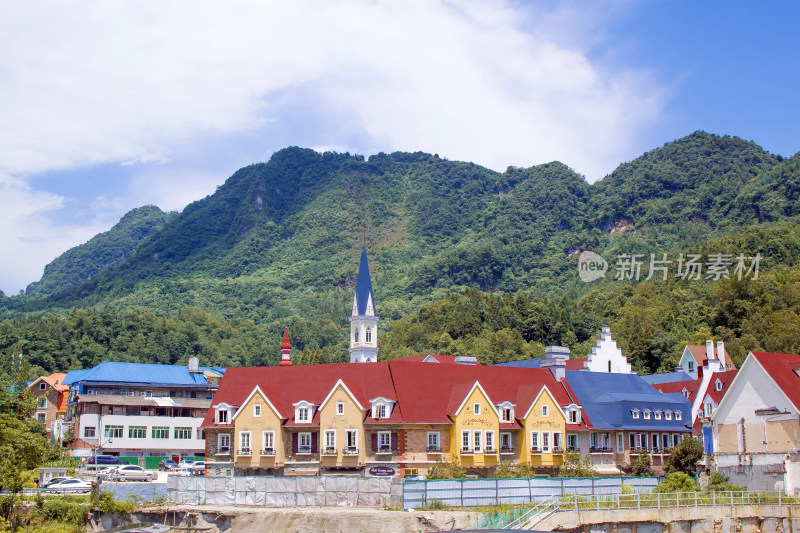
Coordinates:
[286,350]
[363,321]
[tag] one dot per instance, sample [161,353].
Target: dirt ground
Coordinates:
[236,519]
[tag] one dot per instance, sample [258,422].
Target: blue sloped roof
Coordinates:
[525,363]
[608,400]
[114,372]
[363,285]
[669,377]
[74,376]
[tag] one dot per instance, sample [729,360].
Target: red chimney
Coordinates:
[286,349]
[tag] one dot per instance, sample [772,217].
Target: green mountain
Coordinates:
[81,263]
[278,244]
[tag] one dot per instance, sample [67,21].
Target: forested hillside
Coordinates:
[277,245]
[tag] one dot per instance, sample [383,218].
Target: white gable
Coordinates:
[606,356]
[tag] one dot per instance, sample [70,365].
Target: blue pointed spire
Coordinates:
[363,285]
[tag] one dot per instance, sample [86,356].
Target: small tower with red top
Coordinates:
[286,350]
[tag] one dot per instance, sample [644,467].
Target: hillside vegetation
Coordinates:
[278,244]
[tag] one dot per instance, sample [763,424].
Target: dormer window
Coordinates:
[668,415]
[303,412]
[658,414]
[635,413]
[678,415]
[506,410]
[647,414]
[381,407]
[685,393]
[223,414]
[718,385]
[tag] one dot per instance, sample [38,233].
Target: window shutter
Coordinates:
[394,441]
[294,442]
[374,442]
[314,439]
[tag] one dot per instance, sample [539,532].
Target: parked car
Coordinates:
[69,485]
[53,481]
[197,468]
[185,464]
[167,464]
[103,460]
[132,473]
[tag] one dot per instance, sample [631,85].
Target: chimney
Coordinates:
[710,350]
[466,360]
[721,355]
[194,365]
[286,350]
[555,359]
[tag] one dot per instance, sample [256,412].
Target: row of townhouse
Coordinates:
[401,417]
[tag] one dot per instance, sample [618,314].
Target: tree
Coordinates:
[684,457]
[718,482]
[641,466]
[677,482]
[509,470]
[446,470]
[575,465]
[23,443]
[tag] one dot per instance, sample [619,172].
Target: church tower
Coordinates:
[363,321]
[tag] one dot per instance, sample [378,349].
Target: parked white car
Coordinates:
[69,485]
[132,473]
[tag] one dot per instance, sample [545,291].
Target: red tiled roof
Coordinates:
[677,386]
[577,363]
[781,368]
[725,378]
[55,381]
[449,359]
[424,392]
[699,354]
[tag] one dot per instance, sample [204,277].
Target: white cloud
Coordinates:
[129,82]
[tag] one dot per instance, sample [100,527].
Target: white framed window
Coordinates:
[655,442]
[545,441]
[384,441]
[691,366]
[339,408]
[718,385]
[657,414]
[148,394]
[434,442]
[505,441]
[489,440]
[665,441]
[506,414]
[465,440]
[380,411]
[89,432]
[330,440]
[534,441]
[223,416]
[676,439]
[268,441]
[573,416]
[685,393]
[668,415]
[620,443]
[635,413]
[678,415]
[42,386]
[257,410]
[594,440]
[351,440]
[476,441]
[558,445]
[303,443]
[355,334]
[476,408]
[368,335]
[42,404]
[545,410]
[572,442]
[244,442]
[647,414]
[224,443]
[706,409]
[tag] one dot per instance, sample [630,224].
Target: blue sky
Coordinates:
[107,106]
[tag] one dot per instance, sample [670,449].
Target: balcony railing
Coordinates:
[600,449]
[224,450]
[506,449]
[243,452]
[466,449]
[329,451]
[304,449]
[558,449]
[385,450]
[434,448]
[535,449]
[351,450]
[490,450]
[268,451]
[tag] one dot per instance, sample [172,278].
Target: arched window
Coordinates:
[368,335]
[355,334]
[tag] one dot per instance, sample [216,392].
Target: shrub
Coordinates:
[677,482]
[446,470]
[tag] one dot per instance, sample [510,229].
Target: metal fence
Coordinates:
[268,491]
[472,492]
